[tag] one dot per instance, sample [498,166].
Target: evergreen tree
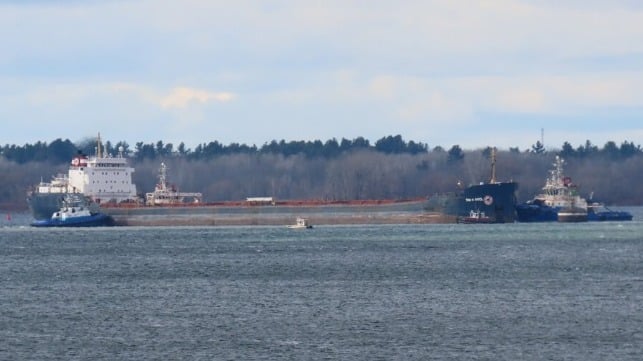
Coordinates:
[611,151]
[538,148]
[567,151]
[629,149]
[455,154]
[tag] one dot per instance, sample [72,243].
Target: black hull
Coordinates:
[496,200]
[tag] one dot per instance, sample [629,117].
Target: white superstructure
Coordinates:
[102,178]
[559,191]
[58,184]
[166,194]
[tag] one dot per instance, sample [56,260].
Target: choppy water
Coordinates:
[407,292]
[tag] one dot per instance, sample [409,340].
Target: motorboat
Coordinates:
[301,223]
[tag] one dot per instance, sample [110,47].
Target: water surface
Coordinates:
[384,292]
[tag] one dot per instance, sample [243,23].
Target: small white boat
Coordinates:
[475,217]
[301,223]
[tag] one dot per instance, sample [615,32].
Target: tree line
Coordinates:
[60,151]
[389,169]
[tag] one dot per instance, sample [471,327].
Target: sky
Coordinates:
[469,73]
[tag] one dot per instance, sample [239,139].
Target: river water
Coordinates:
[377,292]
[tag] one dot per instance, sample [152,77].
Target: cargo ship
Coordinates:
[496,200]
[106,183]
[102,178]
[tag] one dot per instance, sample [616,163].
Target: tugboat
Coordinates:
[558,202]
[75,212]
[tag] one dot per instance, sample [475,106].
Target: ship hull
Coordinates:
[536,213]
[609,216]
[240,213]
[280,214]
[541,213]
[572,215]
[528,212]
[95,220]
[495,200]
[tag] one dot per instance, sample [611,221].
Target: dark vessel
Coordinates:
[496,200]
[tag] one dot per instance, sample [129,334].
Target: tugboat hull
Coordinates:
[96,220]
[572,215]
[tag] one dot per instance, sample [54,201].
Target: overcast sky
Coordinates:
[443,72]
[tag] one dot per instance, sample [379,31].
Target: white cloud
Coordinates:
[181,97]
[563,94]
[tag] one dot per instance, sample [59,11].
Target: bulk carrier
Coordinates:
[106,183]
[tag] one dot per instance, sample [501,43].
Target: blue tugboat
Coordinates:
[75,213]
[559,201]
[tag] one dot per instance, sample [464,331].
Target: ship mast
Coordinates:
[99,151]
[163,177]
[493,166]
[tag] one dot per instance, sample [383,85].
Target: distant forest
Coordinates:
[390,168]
